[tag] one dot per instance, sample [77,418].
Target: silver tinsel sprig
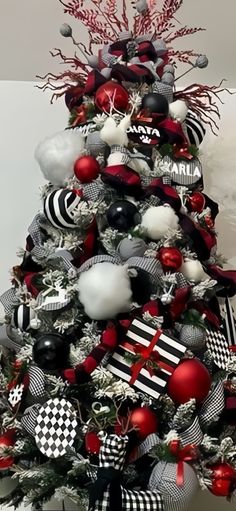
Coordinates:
[155,321]
[56,384]
[199,291]
[184,415]
[188,254]
[110,387]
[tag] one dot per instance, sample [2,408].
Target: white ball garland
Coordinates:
[158,220]
[105,290]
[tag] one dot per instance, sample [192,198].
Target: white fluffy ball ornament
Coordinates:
[158,220]
[57,154]
[178,110]
[193,271]
[105,290]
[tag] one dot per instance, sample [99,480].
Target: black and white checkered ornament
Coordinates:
[22,317]
[176,497]
[59,207]
[56,427]
[217,345]
[15,395]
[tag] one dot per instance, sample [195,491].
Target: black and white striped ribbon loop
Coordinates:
[229,323]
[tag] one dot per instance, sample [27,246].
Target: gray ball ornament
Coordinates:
[131,247]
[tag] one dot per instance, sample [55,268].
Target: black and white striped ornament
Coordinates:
[22,317]
[195,129]
[59,207]
[229,324]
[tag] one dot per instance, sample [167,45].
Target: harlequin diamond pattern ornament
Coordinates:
[217,345]
[55,429]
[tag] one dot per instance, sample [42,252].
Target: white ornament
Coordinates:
[158,221]
[193,271]
[178,110]
[35,323]
[105,290]
[114,134]
[57,154]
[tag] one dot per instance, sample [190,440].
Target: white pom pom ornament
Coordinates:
[105,290]
[158,220]
[57,154]
[193,271]
[178,110]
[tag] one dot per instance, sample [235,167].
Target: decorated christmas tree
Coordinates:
[118,372]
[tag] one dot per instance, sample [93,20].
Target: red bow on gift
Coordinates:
[147,355]
[188,453]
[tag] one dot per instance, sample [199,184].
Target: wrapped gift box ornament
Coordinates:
[147,358]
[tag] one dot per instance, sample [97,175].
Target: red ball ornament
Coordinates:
[7,440]
[92,442]
[223,479]
[196,202]
[190,380]
[144,421]
[112,93]
[86,169]
[170,258]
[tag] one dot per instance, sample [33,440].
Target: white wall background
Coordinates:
[27,117]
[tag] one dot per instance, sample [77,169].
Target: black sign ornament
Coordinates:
[184,172]
[144,133]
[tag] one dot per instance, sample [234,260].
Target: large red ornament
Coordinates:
[196,202]
[144,421]
[170,258]
[112,94]
[86,169]
[190,380]
[223,479]
[92,442]
[7,440]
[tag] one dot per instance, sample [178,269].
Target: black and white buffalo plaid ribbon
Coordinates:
[9,301]
[112,456]
[148,264]
[10,338]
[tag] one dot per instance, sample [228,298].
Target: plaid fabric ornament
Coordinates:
[155,356]
[217,345]
[56,426]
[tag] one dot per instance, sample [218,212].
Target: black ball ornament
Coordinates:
[156,104]
[123,215]
[51,352]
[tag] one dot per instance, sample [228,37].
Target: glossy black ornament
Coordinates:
[123,215]
[51,352]
[157,104]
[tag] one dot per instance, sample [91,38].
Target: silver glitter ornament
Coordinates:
[66,30]
[202,61]
[193,337]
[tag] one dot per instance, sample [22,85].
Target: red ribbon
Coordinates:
[188,453]
[147,354]
[181,151]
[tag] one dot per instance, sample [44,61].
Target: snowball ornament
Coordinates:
[193,270]
[158,220]
[57,154]
[105,290]
[178,110]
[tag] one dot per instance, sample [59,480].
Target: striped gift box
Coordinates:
[147,344]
